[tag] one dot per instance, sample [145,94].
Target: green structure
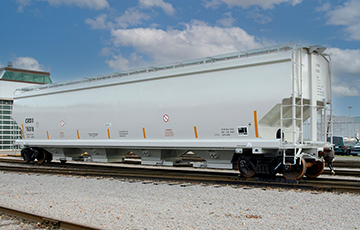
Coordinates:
[10,80]
[25,76]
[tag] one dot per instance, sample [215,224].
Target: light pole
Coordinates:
[349,110]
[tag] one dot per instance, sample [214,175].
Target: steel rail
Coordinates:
[45,221]
[343,172]
[202,176]
[132,158]
[339,185]
[102,167]
[339,171]
[347,164]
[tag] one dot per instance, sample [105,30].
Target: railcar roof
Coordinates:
[182,64]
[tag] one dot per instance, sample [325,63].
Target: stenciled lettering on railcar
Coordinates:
[29,136]
[320,89]
[226,132]
[29,120]
[30,129]
[93,135]
[123,133]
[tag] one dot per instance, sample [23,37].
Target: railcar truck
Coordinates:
[242,110]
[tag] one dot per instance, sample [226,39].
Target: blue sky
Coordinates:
[80,38]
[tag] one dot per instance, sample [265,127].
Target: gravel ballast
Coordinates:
[128,204]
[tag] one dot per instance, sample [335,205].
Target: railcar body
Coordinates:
[242,110]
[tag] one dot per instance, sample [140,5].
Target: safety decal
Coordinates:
[62,123]
[166,117]
[169,133]
[243,131]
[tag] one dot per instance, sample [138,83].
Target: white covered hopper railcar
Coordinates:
[242,110]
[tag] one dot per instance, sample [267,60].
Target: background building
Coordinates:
[10,80]
[342,126]
[346,126]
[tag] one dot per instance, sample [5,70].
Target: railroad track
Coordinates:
[188,157]
[42,222]
[186,175]
[171,176]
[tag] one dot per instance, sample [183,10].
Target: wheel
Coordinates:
[40,155]
[245,168]
[23,154]
[48,157]
[28,155]
[315,170]
[294,172]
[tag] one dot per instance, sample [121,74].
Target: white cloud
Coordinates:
[213,4]
[27,63]
[227,20]
[345,72]
[131,17]
[118,62]
[345,90]
[106,51]
[91,4]
[265,4]
[345,62]
[325,7]
[137,60]
[22,4]
[259,18]
[167,7]
[347,16]
[196,40]
[98,23]
[1,65]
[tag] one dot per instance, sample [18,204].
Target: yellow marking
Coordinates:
[144,133]
[10,155]
[195,130]
[78,134]
[22,130]
[256,124]
[108,130]
[47,134]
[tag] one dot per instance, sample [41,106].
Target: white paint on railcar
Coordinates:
[224,105]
